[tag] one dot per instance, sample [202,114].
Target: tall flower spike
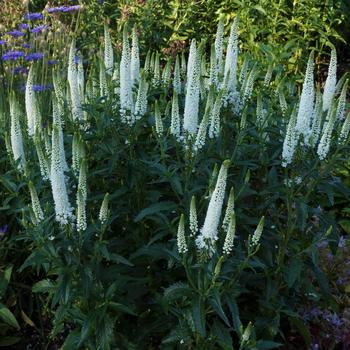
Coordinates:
[331,82]
[77,111]
[126,103]
[108,52]
[43,162]
[229,209]
[135,57]
[59,93]
[202,131]
[156,71]
[141,101]
[257,233]
[219,44]
[191,60]
[260,115]
[283,102]
[306,103]
[208,236]
[214,127]
[103,81]
[63,209]
[81,211]
[213,76]
[166,75]
[192,92]
[80,77]
[341,102]
[268,75]
[344,133]
[290,141]
[325,142]
[16,134]
[57,123]
[177,77]
[103,214]
[248,86]
[82,186]
[30,103]
[316,119]
[158,120]
[181,239]
[232,59]
[193,217]
[38,213]
[183,68]
[230,235]
[175,116]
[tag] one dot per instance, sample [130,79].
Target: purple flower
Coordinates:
[20,70]
[15,33]
[3,230]
[35,16]
[335,320]
[51,62]
[2,42]
[340,281]
[34,56]
[323,244]
[23,26]
[26,46]
[12,55]
[64,9]
[314,312]
[40,88]
[39,29]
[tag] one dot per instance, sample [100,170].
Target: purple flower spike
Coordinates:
[39,29]
[34,56]
[35,16]
[40,88]
[26,46]
[23,26]
[63,9]
[15,33]
[12,55]
[2,42]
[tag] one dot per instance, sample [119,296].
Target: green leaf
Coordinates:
[5,279]
[155,208]
[176,291]
[267,344]
[7,316]
[121,307]
[235,315]
[293,272]
[8,341]
[43,286]
[72,341]
[198,313]
[215,302]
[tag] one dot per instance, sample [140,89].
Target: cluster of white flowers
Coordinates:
[38,213]
[208,234]
[108,52]
[77,111]
[16,134]
[33,112]
[181,239]
[192,91]
[63,209]
[331,81]
[193,217]
[103,214]
[306,103]
[257,233]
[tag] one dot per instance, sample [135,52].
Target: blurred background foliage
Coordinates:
[282,30]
